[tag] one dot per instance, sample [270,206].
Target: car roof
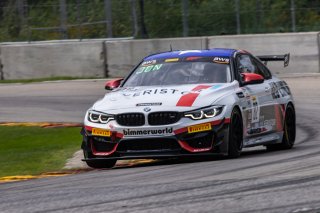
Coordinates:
[221,52]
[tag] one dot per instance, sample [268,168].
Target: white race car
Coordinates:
[186,103]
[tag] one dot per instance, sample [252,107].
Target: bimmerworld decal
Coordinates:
[130,132]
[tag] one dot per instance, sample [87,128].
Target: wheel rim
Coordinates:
[290,129]
[237,130]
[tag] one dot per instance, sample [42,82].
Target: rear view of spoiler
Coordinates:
[285,58]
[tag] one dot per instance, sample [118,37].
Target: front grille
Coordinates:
[163,118]
[130,119]
[152,144]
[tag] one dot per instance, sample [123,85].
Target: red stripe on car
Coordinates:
[89,128]
[188,99]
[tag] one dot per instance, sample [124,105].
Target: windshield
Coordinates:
[177,71]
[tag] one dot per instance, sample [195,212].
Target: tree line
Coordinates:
[23,20]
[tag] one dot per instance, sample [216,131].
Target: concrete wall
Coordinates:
[117,58]
[303,49]
[122,56]
[76,59]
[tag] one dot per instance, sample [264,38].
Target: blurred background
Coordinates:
[35,20]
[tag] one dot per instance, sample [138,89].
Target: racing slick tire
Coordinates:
[289,131]
[235,142]
[99,164]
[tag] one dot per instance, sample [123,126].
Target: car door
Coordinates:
[259,108]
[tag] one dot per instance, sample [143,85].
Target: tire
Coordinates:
[235,142]
[289,131]
[98,164]
[101,164]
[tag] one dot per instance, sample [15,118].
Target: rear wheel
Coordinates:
[98,164]
[289,131]
[235,143]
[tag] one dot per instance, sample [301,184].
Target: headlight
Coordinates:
[99,117]
[208,112]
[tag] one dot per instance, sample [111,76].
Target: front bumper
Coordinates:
[182,143]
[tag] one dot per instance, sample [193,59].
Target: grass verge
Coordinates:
[34,150]
[43,79]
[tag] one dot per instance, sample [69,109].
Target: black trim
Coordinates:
[155,156]
[285,58]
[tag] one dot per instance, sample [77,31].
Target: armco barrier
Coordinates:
[303,48]
[116,58]
[122,56]
[38,60]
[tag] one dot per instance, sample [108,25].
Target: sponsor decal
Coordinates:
[101,132]
[279,89]
[199,128]
[221,60]
[255,109]
[149,68]
[130,132]
[171,60]
[256,130]
[165,91]
[149,104]
[271,122]
[146,63]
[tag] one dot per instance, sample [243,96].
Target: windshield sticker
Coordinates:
[221,60]
[171,60]
[146,63]
[192,58]
[149,68]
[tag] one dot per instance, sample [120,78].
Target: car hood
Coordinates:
[177,97]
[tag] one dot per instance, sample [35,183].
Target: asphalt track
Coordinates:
[259,181]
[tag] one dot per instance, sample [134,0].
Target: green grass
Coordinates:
[43,79]
[34,150]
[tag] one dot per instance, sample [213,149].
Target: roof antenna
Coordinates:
[170,48]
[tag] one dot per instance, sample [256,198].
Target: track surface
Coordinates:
[259,181]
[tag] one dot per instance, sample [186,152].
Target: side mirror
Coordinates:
[251,78]
[112,84]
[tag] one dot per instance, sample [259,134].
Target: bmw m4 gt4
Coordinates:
[186,103]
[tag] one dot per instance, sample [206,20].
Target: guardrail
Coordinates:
[114,58]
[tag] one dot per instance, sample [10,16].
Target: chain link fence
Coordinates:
[33,20]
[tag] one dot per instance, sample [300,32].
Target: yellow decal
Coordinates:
[171,60]
[254,98]
[101,132]
[199,128]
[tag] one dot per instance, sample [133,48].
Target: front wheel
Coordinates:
[101,164]
[235,142]
[98,164]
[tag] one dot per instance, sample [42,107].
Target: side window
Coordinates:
[262,70]
[245,65]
